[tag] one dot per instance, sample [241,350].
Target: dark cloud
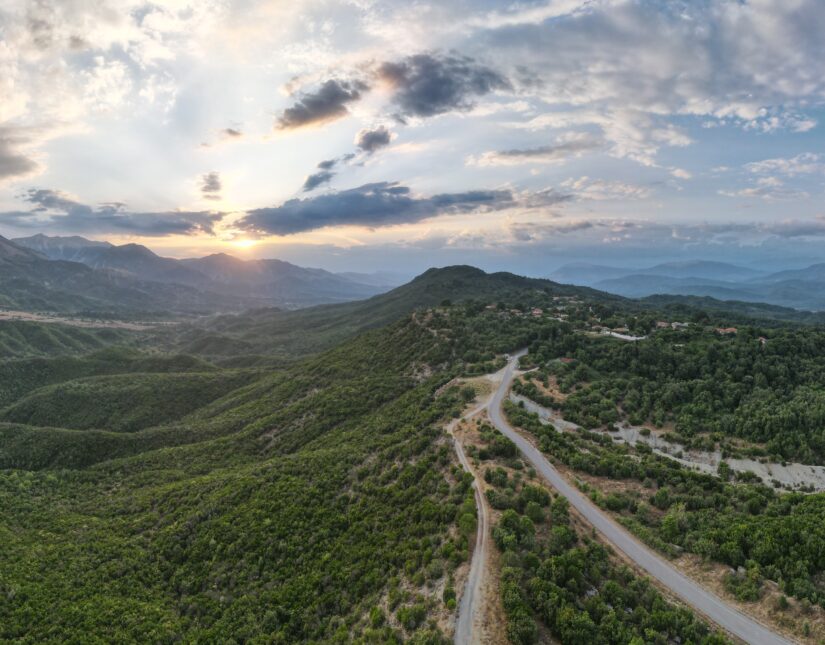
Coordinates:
[12,163]
[211,185]
[572,145]
[426,85]
[326,104]
[232,133]
[54,210]
[372,205]
[371,140]
[325,172]
[316,179]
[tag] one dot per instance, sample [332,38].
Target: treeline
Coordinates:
[552,578]
[743,524]
[321,503]
[765,389]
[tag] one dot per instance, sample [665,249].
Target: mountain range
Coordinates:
[73,274]
[798,288]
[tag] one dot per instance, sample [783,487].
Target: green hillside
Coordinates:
[23,339]
[160,497]
[122,403]
[297,333]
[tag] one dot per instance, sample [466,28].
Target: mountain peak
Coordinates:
[9,251]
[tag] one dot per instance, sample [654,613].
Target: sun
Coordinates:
[243,243]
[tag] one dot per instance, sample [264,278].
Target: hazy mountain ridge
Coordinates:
[802,289]
[224,280]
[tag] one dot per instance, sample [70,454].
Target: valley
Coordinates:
[370,322]
[196,453]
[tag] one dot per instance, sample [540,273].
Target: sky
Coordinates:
[397,135]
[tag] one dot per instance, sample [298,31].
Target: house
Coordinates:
[566,360]
[763,341]
[537,312]
[726,330]
[679,325]
[662,324]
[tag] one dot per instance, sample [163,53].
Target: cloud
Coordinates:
[57,211]
[602,190]
[13,164]
[531,232]
[371,140]
[768,188]
[210,186]
[631,133]
[630,67]
[681,173]
[724,60]
[316,179]
[573,144]
[371,205]
[543,198]
[231,133]
[326,171]
[426,85]
[328,103]
[519,14]
[801,164]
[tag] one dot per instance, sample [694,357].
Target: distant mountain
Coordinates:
[585,274]
[133,259]
[260,282]
[703,269]
[593,275]
[30,281]
[283,283]
[71,248]
[813,273]
[778,289]
[378,278]
[802,289]
[639,285]
[12,254]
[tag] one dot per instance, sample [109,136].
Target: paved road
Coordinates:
[469,610]
[702,600]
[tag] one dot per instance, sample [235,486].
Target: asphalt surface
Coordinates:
[703,601]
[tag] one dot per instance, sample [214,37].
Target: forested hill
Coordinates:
[319,503]
[153,496]
[297,333]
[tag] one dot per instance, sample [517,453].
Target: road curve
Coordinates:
[705,602]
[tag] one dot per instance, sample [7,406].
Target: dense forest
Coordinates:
[763,386]
[776,536]
[220,484]
[555,575]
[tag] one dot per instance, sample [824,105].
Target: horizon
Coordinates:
[366,137]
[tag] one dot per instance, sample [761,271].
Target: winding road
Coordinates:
[703,601]
[469,609]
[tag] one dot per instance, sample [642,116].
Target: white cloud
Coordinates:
[768,188]
[802,164]
[626,66]
[632,134]
[603,190]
